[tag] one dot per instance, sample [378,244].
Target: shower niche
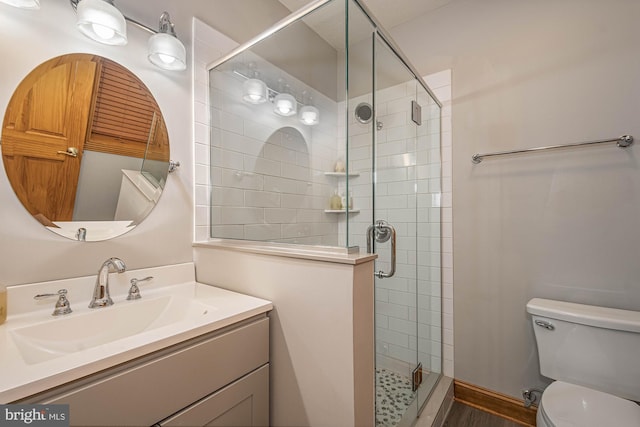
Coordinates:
[321,130]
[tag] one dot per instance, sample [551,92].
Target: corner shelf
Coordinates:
[342,174]
[341,211]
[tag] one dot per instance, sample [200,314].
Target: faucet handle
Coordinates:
[134,290]
[62,305]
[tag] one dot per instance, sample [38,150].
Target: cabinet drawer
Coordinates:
[244,403]
[157,388]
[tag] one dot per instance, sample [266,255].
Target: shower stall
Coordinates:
[323,134]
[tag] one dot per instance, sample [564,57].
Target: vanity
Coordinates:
[185,353]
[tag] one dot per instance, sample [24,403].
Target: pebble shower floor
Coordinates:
[393,397]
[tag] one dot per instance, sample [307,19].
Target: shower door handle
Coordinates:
[381,231]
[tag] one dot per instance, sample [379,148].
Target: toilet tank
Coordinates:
[592,346]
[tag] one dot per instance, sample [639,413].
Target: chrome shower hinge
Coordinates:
[416,377]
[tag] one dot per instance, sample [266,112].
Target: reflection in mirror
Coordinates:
[85,147]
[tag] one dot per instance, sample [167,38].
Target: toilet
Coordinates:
[593,354]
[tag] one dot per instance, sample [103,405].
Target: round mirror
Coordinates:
[85,147]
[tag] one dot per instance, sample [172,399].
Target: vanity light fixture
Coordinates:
[285,104]
[23,4]
[165,50]
[309,115]
[254,90]
[101,21]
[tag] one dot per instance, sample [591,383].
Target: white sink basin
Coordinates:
[57,337]
[39,351]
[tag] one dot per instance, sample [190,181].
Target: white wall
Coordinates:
[29,252]
[556,225]
[322,350]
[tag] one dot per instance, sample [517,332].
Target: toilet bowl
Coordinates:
[569,405]
[592,354]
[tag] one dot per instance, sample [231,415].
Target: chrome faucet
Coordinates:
[101,297]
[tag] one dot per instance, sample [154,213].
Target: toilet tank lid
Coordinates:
[602,317]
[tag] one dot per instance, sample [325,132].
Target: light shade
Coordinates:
[309,115]
[101,21]
[23,4]
[167,52]
[254,91]
[285,104]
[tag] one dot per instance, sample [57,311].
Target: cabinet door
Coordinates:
[241,404]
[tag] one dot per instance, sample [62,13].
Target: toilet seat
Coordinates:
[570,405]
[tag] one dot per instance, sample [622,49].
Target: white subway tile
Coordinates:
[392,310]
[225,196]
[228,231]
[261,199]
[239,179]
[403,326]
[262,232]
[392,337]
[402,298]
[201,133]
[262,166]
[279,215]
[234,215]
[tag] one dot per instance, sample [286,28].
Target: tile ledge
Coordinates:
[312,253]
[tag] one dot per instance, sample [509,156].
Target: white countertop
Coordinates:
[19,379]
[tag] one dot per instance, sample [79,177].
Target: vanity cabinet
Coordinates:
[242,403]
[220,378]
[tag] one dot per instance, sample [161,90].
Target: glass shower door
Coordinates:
[403,237]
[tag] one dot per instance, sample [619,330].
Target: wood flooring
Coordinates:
[462,415]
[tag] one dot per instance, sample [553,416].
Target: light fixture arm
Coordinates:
[166,26]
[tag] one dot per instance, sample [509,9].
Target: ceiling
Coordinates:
[389,13]
[327,24]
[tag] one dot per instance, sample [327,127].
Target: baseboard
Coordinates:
[494,403]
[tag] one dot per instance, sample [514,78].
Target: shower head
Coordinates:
[364,112]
